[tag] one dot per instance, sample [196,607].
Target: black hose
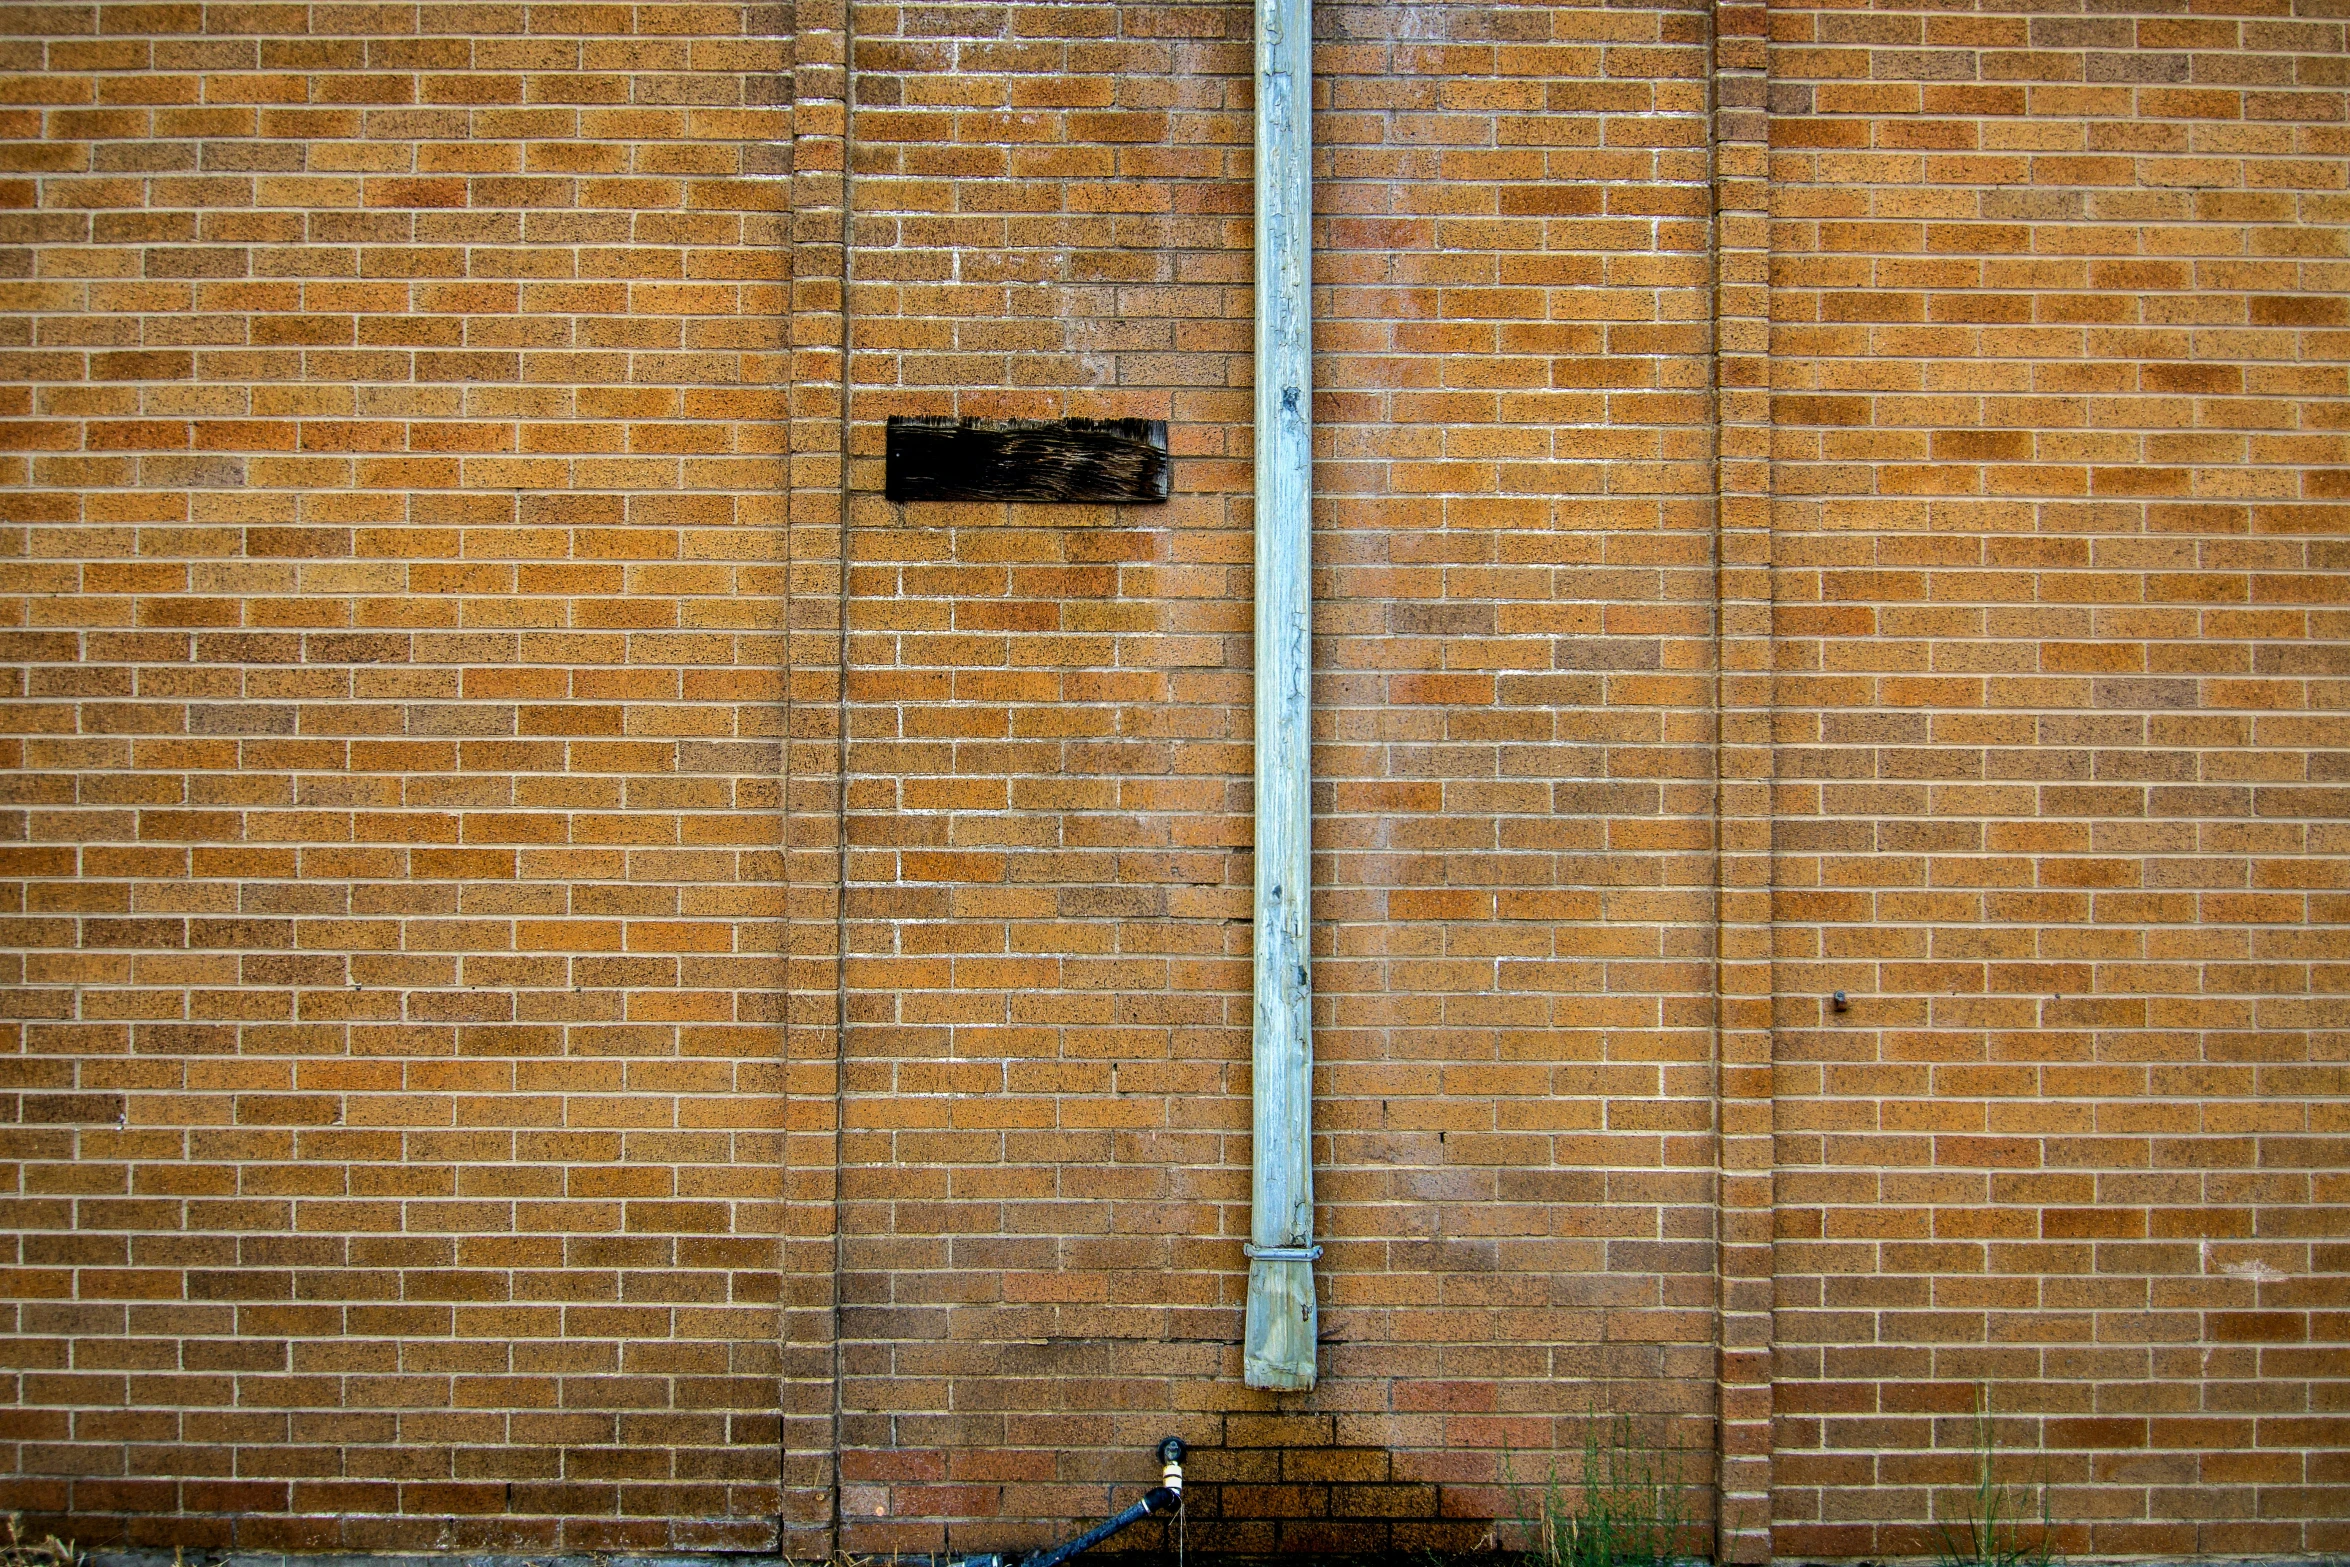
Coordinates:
[1159,1499]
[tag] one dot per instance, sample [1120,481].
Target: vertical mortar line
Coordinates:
[787,236]
[1713,415]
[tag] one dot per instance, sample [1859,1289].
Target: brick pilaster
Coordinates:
[1741,128]
[816,756]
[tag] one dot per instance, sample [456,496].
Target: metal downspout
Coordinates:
[1279,1346]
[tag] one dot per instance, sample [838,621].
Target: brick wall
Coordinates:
[1044,1081]
[2061,805]
[392,776]
[581,981]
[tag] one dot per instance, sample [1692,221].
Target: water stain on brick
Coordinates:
[1319,1498]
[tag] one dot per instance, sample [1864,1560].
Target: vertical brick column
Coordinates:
[1741,133]
[815,758]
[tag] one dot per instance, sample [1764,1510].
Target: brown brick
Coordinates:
[443,1113]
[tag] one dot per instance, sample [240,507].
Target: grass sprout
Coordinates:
[1628,1508]
[24,1551]
[1993,1525]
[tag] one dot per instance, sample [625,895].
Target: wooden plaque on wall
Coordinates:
[1100,461]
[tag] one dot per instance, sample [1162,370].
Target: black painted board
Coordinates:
[1099,461]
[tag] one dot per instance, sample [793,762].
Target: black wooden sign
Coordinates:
[1102,461]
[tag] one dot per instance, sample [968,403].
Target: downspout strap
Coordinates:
[1282,1253]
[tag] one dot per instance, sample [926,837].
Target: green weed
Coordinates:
[1628,1508]
[1990,1528]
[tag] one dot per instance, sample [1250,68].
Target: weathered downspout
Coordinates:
[1279,1347]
